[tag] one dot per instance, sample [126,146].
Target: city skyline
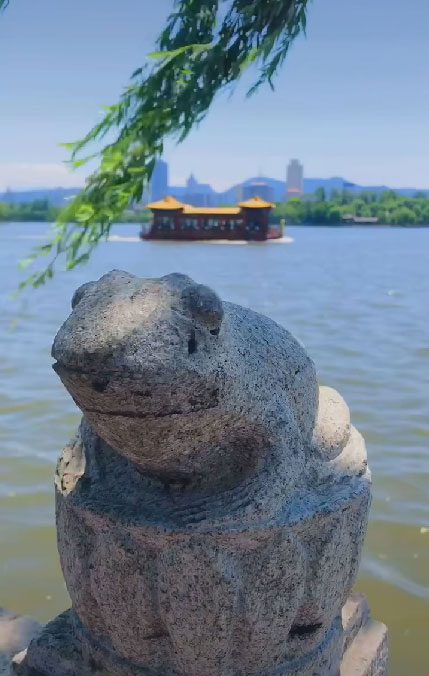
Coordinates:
[348,101]
[337,180]
[55,176]
[204,195]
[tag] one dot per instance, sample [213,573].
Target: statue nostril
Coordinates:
[304,629]
[100,385]
[192,343]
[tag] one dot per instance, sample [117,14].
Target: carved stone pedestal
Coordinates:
[365,649]
[365,641]
[212,509]
[62,650]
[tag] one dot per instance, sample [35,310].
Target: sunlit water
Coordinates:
[357,298]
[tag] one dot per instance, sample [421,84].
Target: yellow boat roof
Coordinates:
[216,211]
[172,204]
[256,203]
[168,203]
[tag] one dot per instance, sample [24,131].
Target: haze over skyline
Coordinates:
[352,98]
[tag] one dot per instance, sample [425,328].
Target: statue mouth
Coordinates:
[60,367]
[100,379]
[123,395]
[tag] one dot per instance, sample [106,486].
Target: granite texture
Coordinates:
[212,508]
[63,647]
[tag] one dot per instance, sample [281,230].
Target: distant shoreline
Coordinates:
[338,209]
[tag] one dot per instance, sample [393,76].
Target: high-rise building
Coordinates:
[257,189]
[199,194]
[295,179]
[159,181]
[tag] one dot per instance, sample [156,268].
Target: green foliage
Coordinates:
[42,211]
[388,207]
[205,47]
[403,215]
[37,211]
[320,195]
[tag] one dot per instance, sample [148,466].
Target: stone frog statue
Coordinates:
[212,509]
[196,392]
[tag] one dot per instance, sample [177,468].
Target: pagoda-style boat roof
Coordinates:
[172,204]
[168,204]
[256,203]
[220,211]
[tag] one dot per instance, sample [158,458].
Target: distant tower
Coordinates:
[159,181]
[8,196]
[295,179]
[192,182]
[198,194]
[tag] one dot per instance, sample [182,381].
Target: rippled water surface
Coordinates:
[359,301]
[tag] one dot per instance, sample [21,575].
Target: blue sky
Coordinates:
[352,98]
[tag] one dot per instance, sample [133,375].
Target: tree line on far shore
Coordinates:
[388,207]
[42,211]
[37,211]
[317,209]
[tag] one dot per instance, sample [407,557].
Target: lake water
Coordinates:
[357,298]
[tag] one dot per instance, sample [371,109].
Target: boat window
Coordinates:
[189,224]
[166,223]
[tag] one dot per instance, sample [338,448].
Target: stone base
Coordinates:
[365,652]
[58,652]
[365,641]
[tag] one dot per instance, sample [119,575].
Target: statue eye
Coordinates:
[205,306]
[80,292]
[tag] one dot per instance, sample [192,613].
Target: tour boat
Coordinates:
[173,220]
